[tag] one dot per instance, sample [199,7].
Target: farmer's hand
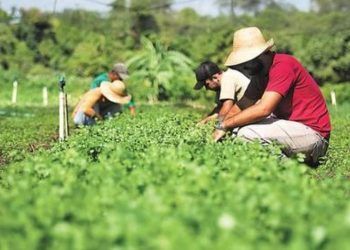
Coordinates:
[202,122]
[207,119]
[98,116]
[132,111]
[218,134]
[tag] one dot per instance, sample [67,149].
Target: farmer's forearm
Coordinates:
[209,118]
[250,115]
[75,110]
[225,108]
[132,110]
[257,112]
[91,113]
[212,117]
[235,109]
[215,110]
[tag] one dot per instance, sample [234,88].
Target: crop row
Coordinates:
[156,181]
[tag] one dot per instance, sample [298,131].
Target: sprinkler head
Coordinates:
[61,83]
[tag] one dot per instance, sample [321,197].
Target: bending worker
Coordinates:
[97,103]
[118,72]
[229,86]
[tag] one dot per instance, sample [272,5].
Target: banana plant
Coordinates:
[158,67]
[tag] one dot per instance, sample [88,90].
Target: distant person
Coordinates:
[118,72]
[228,85]
[301,122]
[97,103]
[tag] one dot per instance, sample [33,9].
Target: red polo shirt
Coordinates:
[302,99]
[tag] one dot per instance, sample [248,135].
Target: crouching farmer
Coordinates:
[301,122]
[100,103]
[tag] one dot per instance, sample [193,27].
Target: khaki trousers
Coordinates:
[294,137]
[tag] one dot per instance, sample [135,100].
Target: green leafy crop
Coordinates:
[156,181]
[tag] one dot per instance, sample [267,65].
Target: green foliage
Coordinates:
[342,92]
[338,154]
[327,57]
[25,130]
[28,125]
[234,5]
[85,43]
[87,57]
[160,71]
[4,17]
[156,181]
[30,87]
[332,5]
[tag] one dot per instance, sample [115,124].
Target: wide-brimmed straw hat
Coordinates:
[248,43]
[115,91]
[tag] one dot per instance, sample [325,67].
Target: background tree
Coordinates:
[138,17]
[252,6]
[83,43]
[325,6]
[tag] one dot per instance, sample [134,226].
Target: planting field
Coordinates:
[24,130]
[27,125]
[156,181]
